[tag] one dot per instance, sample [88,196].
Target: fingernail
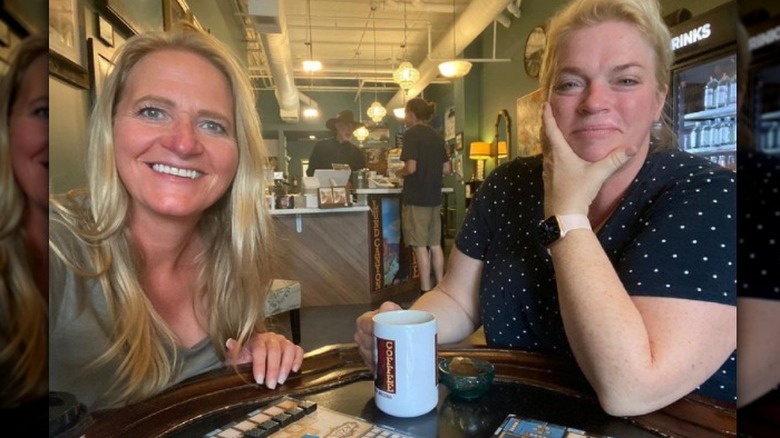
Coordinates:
[259,380]
[282,378]
[271,384]
[295,368]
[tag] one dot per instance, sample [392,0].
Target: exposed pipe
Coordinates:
[280,64]
[416,5]
[477,16]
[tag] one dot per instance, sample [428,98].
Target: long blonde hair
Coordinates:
[644,15]
[23,321]
[235,268]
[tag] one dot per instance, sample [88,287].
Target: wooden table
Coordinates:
[526,384]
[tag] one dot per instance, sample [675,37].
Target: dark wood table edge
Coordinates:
[221,390]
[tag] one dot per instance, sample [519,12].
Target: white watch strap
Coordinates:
[570,222]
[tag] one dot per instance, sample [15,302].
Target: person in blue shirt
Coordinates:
[606,249]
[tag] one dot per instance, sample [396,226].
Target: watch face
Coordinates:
[549,231]
[534,49]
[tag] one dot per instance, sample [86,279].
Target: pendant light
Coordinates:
[310,65]
[362,132]
[376,111]
[405,75]
[455,68]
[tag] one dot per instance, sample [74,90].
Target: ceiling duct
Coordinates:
[279,59]
[265,15]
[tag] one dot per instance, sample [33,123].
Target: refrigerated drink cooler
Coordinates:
[763,95]
[703,95]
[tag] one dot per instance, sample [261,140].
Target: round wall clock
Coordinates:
[534,49]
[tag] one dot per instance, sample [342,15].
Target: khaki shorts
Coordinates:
[421,225]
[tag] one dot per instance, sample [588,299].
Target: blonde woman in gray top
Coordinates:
[161,267]
[24,163]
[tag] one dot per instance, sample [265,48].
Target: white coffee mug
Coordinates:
[406,377]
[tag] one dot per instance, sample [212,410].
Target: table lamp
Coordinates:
[479,151]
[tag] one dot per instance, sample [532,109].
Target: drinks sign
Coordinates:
[705,32]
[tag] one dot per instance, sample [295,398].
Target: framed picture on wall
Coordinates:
[65,30]
[529,123]
[457,166]
[28,14]
[459,141]
[449,123]
[65,43]
[134,16]
[105,30]
[177,11]
[100,65]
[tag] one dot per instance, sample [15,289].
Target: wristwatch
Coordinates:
[555,227]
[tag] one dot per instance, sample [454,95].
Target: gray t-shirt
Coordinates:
[79,333]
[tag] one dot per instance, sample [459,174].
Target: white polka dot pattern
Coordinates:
[673,235]
[758,246]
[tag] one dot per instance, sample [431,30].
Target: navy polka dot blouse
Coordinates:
[758,247]
[673,235]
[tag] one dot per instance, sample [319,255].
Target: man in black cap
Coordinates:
[337,150]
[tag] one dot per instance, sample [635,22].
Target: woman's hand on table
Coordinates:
[272,355]
[364,333]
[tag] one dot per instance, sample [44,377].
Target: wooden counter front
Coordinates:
[351,255]
[327,252]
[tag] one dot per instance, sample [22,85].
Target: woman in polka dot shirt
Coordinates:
[643,298]
[758,260]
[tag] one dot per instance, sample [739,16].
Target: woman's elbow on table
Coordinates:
[632,400]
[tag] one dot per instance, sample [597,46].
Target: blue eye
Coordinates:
[627,81]
[214,127]
[565,86]
[151,113]
[42,112]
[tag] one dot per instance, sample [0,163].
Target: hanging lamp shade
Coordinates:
[311,65]
[361,133]
[400,112]
[376,111]
[456,68]
[479,150]
[406,75]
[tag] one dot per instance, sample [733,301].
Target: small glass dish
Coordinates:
[467,386]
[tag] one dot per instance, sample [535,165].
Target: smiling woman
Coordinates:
[24,170]
[168,248]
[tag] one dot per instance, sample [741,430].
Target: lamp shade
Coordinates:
[479,150]
[457,68]
[400,112]
[406,75]
[361,133]
[503,151]
[311,113]
[311,65]
[376,112]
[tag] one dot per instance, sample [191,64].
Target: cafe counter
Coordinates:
[348,255]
